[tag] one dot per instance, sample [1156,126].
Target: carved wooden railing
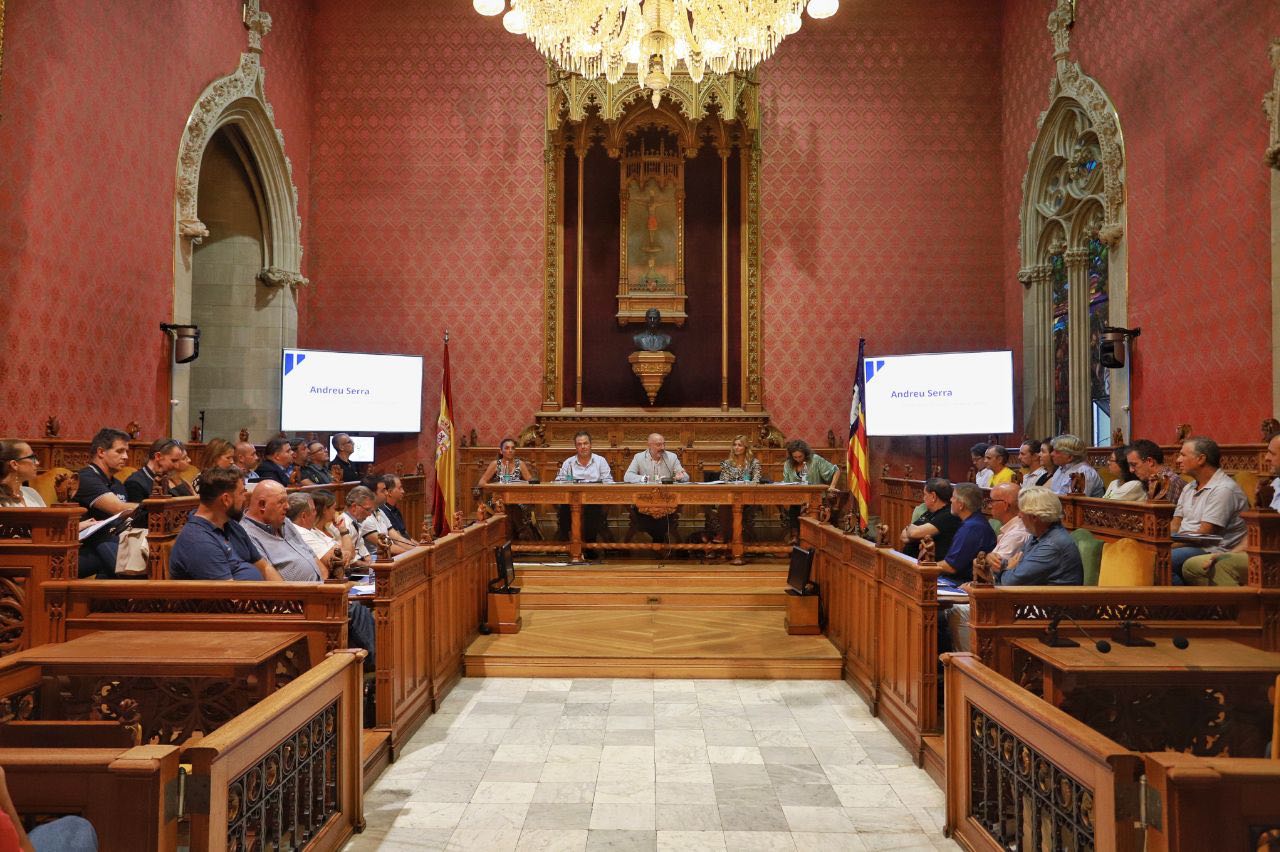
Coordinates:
[898,499]
[1001,614]
[75,608]
[36,545]
[1022,774]
[129,795]
[285,773]
[428,604]
[1111,520]
[1195,803]
[881,611]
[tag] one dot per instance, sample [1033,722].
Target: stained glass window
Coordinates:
[1099,314]
[1059,288]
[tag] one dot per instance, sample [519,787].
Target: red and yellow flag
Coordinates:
[442,500]
[858,464]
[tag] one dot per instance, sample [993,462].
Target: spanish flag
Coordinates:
[442,500]
[858,464]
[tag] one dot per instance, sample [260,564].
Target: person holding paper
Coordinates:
[103,496]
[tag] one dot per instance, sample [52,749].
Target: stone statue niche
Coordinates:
[651,362]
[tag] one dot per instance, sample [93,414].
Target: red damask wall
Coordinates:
[94,97]
[1187,79]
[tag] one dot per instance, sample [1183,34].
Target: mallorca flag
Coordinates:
[858,465]
[442,500]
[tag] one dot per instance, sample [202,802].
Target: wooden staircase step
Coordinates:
[554,597]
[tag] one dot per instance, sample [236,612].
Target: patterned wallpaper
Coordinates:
[1187,79]
[88,150]
[881,133]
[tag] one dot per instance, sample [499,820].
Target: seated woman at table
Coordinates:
[18,465]
[507,468]
[1126,485]
[741,466]
[805,466]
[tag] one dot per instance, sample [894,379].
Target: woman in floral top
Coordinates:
[741,466]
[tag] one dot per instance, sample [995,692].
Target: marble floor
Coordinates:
[515,763]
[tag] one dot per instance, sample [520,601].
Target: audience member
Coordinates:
[299,447]
[1029,458]
[267,523]
[978,455]
[1211,505]
[1232,569]
[179,484]
[584,466]
[162,459]
[331,522]
[1049,557]
[61,834]
[18,465]
[104,496]
[1069,457]
[973,536]
[391,508]
[1163,485]
[1126,485]
[656,464]
[316,469]
[278,459]
[378,524]
[343,447]
[212,545]
[1046,464]
[936,521]
[304,515]
[218,453]
[997,461]
[1013,532]
[360,504]
[246,458]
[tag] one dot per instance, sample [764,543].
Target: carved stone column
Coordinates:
[1080,421]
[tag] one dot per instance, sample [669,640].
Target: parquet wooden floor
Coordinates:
[653,642]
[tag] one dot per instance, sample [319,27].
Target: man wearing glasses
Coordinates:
[1013,533]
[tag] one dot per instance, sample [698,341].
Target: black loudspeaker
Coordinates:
[1111,348]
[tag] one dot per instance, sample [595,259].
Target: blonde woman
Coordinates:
[741,466]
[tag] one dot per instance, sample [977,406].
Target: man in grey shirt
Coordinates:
[1211,505]
[268,526]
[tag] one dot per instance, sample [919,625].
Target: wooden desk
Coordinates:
[170,682]
[1209,699]
[658,501]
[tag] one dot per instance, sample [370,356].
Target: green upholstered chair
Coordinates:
[915,513]
[1090,547]
[995,525]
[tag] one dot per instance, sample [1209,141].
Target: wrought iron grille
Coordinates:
[1022,799]
[287,797]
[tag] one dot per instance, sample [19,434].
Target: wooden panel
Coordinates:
[123,792]
[1200,803]
[1023,774]
[36,545]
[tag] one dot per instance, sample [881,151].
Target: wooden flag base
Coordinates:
[802,615]
[504,612]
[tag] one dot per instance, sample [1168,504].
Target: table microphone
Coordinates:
[1053,640]
[1181,643]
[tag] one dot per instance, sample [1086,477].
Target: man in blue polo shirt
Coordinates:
[213,545]
[973,537]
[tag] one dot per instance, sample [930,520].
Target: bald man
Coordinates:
[267,523]
[655,464]
[246,458]
[1013,532]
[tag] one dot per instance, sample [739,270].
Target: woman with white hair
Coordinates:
[1069,455]
[1050,556]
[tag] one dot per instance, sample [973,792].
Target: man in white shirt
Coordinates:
[1069,455]
[656,464]
[584,466]
[360,505]
[1232,568]
[982,473]
[1210,505]
[378,524]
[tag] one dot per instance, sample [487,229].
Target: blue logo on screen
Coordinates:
[291,360]
[871,367]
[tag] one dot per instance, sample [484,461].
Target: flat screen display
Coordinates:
[363,451]
[323,391]
[948,393]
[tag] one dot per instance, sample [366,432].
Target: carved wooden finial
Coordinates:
[52,426]
[831,438]
[882,535]
[884,471]
[1264,495]
[336,562]
[158,487]
[1117,437]
[1077,483]
[981,570]
[65,486]
[195,432]
[428,535]
[420,470]
[499,506]
[463,441]
[1184,432]
[399,468]
[927,547]
[384,548]
[133,430]
[483,512]
[475,439]
[937,471]
[459,521]
[295,475]
[910,469]
[335,473]
[1270,426]
[244,436]
[972,475]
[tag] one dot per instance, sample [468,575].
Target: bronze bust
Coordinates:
[651,339]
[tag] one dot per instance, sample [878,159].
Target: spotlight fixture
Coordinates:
[186,341]
[1114,344]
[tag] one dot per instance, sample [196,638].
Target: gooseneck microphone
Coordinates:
[1180,642]
[1054,640]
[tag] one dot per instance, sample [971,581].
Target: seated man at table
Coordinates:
[391,508]
[656,464]
[103,496]
[937,521]
[246,458]
[583,466]
[212,545]
[279,459]
[1049,556]
[1232,568]
[1069,455]
[162,459]
[973,536]
[378,524]
[1013,532]
[360,504]
[1210,505]
[315,470]
[1146,459]
[997,459]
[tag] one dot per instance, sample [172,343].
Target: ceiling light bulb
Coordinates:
[822,8]
[515,22]
[791,23]
[631,52]
[489,7]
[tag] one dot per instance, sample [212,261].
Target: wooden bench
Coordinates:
[428,604]
[36,545]
[76,607]
[128,794]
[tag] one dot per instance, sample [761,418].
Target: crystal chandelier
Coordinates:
[595,38]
